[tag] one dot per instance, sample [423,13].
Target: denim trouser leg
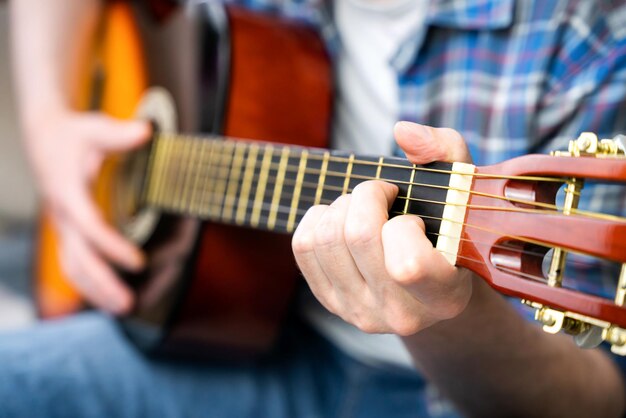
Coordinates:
[83,367]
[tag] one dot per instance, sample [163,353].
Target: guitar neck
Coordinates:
[270,186]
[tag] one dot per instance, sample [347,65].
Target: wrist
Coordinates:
[483,303]
[41,117]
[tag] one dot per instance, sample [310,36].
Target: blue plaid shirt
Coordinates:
[513,77]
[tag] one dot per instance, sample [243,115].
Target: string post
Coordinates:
[552,320]
[557,264]
[588,145]
[615,336]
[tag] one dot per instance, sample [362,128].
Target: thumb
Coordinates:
[424,144]
[110,134]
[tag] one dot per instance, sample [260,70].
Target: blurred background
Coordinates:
[17,202]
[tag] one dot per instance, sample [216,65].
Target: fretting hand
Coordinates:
[381,275]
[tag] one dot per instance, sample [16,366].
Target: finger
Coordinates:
[92,276]
[412,261]
[416,265]
[303,245]
[367,213]
[424,144]
[333,254]
[86,217]
[110,134]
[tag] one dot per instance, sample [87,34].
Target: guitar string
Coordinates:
[505,269]
[550,211]
[576,263]
[474,206]
[597,215]
[540,255]
[526,240]
[307,185]
[549,207]
[281,209]
[293,152]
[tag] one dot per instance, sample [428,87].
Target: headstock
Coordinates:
[518,239]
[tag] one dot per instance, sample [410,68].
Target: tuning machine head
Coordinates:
[588,145]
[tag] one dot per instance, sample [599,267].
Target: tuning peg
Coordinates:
[617,338]
[620,143]
[589,338]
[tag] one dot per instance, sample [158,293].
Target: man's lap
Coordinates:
[84,367]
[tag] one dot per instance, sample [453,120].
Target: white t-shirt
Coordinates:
[371,32]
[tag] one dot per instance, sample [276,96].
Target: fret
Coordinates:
[271,186]
[297,190]
[397,171]
[379,167]
[363,169]
[187,152]
[211,178]
[176,174]
[428,189]
[205,196]
[288,188]
[259,197]
[311,180]
[346,183]
[158,175]
[242,205]
[198,153]
[227,149]
[335,176]
[155,172]
[278,187]
[181,163]
[233,182]
[408,191]
[322,177]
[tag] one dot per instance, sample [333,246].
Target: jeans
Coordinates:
[83,367]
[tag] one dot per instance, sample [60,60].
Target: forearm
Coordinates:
[50,39]
[491,362]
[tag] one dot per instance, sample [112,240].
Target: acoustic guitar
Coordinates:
[214,212]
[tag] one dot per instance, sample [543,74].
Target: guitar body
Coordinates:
[210,290]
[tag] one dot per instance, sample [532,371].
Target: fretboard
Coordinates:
[271,186]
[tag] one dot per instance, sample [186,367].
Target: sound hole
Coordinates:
[134,219]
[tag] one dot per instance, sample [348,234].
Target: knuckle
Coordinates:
[302,243]
[359,234]
[365,187]
[405,328]
[409,271]
[451,133]
[329,301]
[362,317]
[344,199]
[329,231]
[366,325]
